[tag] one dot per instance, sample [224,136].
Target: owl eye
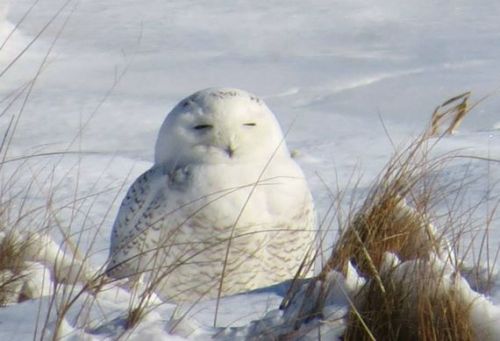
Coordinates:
[203,126]
[250,124]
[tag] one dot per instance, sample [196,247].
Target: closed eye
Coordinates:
[203,126]
[250,124]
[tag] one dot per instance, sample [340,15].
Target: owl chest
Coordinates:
[213,199]
[219,208]
[218,200]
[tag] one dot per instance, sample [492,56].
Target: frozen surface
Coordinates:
[348,80]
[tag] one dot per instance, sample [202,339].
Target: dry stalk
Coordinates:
[455,108]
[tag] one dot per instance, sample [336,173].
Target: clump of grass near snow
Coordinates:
[407,281]
[414,300]
[12,267]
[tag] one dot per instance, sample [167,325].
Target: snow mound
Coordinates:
[37,263]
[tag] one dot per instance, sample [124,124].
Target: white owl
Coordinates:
[224,206]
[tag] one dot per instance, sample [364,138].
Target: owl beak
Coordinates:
[230,151]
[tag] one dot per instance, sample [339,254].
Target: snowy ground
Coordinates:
[334,73]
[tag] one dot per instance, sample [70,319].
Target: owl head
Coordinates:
[220,125]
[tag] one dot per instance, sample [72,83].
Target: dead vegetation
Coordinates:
[451,112]
[12,267]
[415,305]
[421,302]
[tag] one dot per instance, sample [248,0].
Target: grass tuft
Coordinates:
[12,267]
[413,282]
[416,303]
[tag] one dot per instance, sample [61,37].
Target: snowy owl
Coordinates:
[224,207]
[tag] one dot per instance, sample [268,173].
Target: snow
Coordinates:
[350,81]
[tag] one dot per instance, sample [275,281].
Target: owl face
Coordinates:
[219,125]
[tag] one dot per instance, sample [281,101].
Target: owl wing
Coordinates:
[140,212]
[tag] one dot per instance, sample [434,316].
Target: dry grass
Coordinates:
[385,223]
[453,110]
[396,218]
[27,225]
[409,306]
[12,267]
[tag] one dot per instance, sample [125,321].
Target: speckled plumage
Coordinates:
[223,179]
